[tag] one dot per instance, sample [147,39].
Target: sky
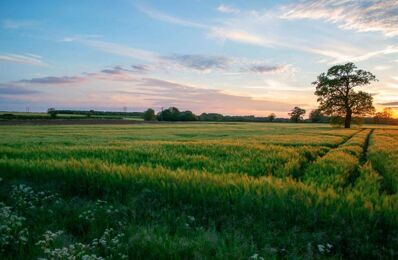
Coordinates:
[230,57]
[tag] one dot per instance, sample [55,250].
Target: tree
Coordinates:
[316,116]
[336,94]
[384,117]
[297,114]
[271,117]
[170,114]
[52,112]
[90,113]
[149,114]
[187,116]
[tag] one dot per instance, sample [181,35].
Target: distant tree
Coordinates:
[384,117]
[316,116]
[211,117]
[336,95]
[173,114]
[271,117]
[90,113]
[52,112]
[170,114]
[296,115]
[149,114]
[187,116]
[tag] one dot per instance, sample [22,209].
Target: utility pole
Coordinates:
[161,114]
[125,109]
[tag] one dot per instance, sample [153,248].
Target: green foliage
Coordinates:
[149,115]
[52,112]
[316,116]
[336,94]
[296,115]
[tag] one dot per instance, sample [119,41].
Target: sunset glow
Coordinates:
[235,57]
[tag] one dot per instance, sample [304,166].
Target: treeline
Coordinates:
[94,113]
[174,114]
[296,115]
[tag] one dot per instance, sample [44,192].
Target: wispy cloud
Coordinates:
[200,62]
[228,9]
[334,53]
[359,15]
[268,68]
[158,15]
[248,28]
[18,24]
[167,93]
[395,103]
[114,48]
[53,80]
[9,89]
[382,67]
[240,35]
[29,59]
[193,62]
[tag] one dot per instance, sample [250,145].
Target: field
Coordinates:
[198,191]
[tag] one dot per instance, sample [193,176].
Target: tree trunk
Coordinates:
[347,121]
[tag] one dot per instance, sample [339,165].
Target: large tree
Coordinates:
[336,94]
[296,115]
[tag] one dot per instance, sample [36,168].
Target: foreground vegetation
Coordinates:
[239,190]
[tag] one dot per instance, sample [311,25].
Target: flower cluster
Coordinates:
[325,248]
[256,257]
[108,245]
[101,208]
[25,197]
[12,231]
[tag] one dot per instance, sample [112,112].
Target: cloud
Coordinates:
[227,9]
[162,93]
[359,15]
[15,90]
[53,80]
[199,62]
[121,71]
[390,103]
[29,59]
[18,24]
[158,15]
[382,67]
[140,68]
[334,53]
[114,48]
[194,62]
[268,68]
[117,70]
[249,27]
[239,35]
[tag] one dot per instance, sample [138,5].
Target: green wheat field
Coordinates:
[198,191]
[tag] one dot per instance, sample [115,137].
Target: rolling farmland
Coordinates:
[204,190]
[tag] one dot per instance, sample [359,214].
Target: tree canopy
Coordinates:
[149,114]
[296,115]
[336,94]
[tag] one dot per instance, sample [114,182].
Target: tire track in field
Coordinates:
[306,165]
[364,156]
[338,168]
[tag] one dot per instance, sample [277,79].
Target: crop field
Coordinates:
[198,191]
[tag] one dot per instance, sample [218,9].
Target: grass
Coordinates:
[238,190]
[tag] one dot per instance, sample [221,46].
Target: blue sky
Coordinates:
[231,57]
